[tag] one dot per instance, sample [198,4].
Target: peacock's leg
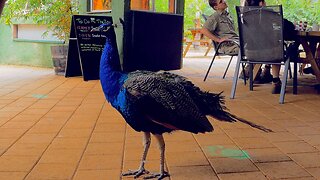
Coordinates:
[162,174]
[141,170]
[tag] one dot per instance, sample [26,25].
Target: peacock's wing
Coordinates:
[165,102]
[209,103]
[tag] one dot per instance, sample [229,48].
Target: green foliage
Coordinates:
[56,14]
[162,5]
[299,10]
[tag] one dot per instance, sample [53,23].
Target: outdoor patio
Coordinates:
[53,127]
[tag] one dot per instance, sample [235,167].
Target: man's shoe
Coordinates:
[276,89]
[308,70]
[264,78]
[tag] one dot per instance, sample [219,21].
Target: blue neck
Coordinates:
[111,76]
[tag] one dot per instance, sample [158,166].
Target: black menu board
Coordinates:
[85,47]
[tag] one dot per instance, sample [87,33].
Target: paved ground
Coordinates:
[53,127]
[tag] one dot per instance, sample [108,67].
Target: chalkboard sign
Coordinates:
[85,47]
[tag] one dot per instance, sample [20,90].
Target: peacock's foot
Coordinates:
[158,175]
[136,173]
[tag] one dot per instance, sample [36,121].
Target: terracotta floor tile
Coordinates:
[135,154]
[51,171]
[303,130]
[6,133]
[26,149]
[105,148]
[313,140]
[75,133]
[187,146]
[100,162]
[253,143]
[17,163]
[232,165]
[104,137]
[18,125]
[106,127]
[315,172]
[242,176]
[192,172]
[12,175]
[37,138]
[277,170]
[60,156]
[243,133]
[5,144]
[295,147]
[79,125]
[41,128]
[69,143]
[281,136]
[186,159]
[97,174]
[178,136]
[267,155]
[307,160]
[217,139]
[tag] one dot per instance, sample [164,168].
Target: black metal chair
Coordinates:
[217,53]
[261,41]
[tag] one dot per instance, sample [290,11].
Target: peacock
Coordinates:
[158,102]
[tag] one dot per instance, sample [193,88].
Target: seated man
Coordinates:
[220,27]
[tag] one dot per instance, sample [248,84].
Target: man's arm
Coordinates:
[211,36]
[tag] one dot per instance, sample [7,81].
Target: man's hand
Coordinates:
[222,39]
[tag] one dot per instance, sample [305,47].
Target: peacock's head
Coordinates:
[103,27]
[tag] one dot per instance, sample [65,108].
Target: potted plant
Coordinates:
[55,14]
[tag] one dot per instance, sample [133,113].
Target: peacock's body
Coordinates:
[157,102]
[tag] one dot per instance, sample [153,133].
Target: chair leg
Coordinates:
[290,72]
[209,48]
[187,49]
[244,74]
[295,78]
[225,72]
[205,78]
[235,77]
[284,81]
[251,76]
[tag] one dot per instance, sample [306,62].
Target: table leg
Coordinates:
[312,59]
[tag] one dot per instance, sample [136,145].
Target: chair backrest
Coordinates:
[261,33]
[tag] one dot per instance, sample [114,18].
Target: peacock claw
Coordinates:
[136,173]
[158,175]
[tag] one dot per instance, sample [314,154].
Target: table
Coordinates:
[200,39]
[309,41]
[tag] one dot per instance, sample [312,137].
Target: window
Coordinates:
[163,6]
[32,32]
[100,5]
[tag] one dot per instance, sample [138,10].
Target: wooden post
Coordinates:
[140,4]
[172,6]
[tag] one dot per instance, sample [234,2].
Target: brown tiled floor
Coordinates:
[53,127]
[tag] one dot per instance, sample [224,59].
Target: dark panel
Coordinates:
[154,41]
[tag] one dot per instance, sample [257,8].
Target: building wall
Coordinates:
[30,53]
[23,52]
